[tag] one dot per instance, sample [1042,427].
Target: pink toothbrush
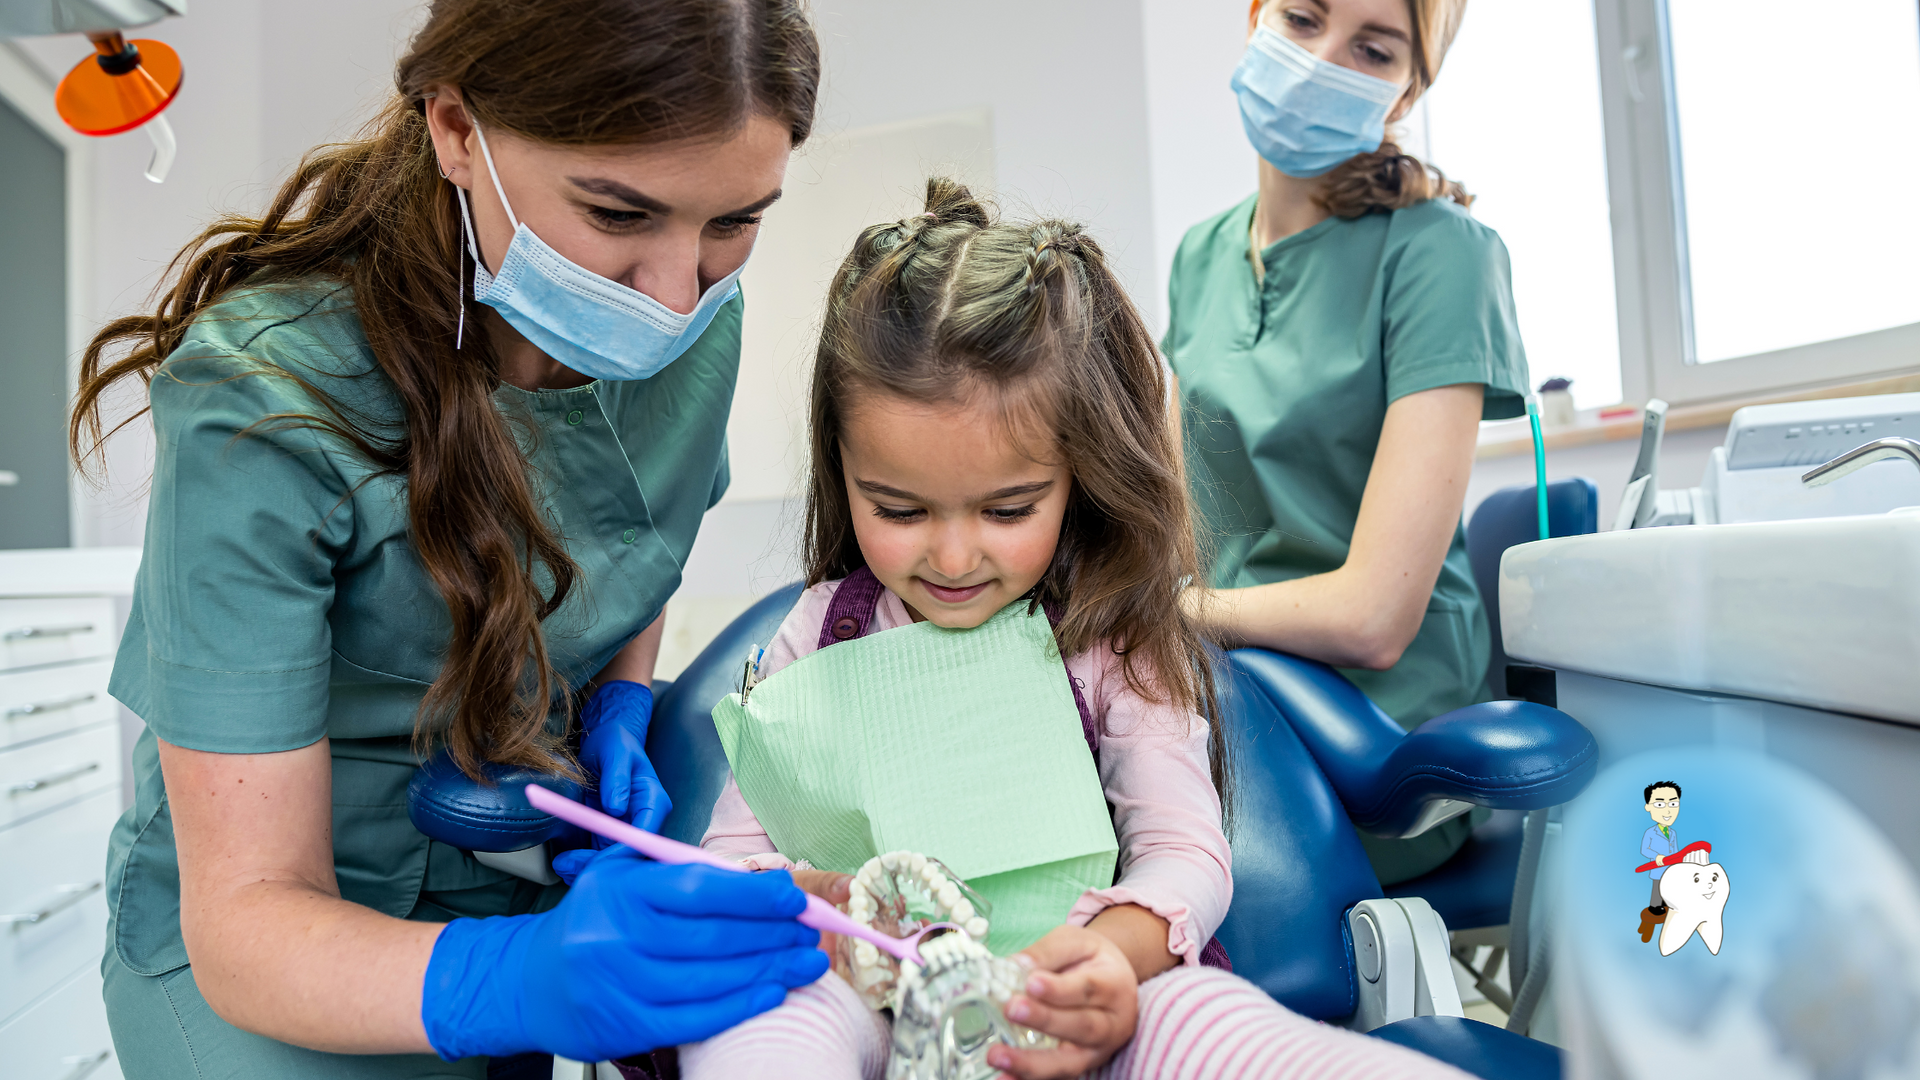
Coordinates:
[819,914]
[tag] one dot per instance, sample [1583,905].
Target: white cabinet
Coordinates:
[61,763]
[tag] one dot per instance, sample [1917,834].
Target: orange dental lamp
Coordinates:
[126,83]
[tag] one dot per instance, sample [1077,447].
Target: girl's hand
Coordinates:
[1082,992]
[835,889]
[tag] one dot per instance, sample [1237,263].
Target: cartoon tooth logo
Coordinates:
[1696,896]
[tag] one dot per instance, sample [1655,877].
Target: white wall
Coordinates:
[1117,115]
[263,82]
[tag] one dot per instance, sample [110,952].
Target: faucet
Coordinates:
[1862,456]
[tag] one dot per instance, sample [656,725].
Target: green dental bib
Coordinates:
[964,745]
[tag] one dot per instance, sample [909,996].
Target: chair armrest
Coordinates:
[1509,755]
[453,808]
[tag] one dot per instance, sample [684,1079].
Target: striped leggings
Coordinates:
[1195,1022]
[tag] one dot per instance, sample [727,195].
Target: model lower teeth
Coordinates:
[948,1012]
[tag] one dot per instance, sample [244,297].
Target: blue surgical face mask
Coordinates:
[594,325]
[1304,115]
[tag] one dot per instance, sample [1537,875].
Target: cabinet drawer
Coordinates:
[52,903]
[34,956]
[47,701]
[55,852]
[43,774]
[63,1037]
[54,630]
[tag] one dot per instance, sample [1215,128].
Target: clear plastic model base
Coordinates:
[952,1012]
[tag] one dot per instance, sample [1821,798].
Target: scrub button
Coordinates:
[575,417]
[627,537]
[844,627]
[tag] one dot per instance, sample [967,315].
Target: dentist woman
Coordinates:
[1337,338]
[434,437]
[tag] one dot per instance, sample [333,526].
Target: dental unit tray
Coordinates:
[1759,473]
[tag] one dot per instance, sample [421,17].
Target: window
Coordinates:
[1758,158]
[1515,116]
[1795,142]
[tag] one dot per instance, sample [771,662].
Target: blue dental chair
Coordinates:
[1364,753]
[1299,873]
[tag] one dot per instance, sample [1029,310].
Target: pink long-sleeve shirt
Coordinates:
[1174,859]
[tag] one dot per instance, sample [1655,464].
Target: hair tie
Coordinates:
[931,214]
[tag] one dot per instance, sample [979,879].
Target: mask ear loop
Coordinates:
[473,247]
[466,222]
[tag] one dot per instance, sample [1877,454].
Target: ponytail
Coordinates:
[1386,179]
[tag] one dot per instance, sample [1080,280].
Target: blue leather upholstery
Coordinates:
[1504,754]
[1512,516]
[1475,887]
[1297,867]
[1481,1049]
[453,808]
[681,742]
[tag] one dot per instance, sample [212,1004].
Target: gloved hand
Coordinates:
[569,864]
[615,750]
[639,955]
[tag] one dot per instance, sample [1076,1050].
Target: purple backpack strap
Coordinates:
[1087,726]
[850,615]
[1214,955]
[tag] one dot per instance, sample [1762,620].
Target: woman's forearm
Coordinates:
[636,659]
[1368,611]
[290,962]
[274,948]
[1330,617]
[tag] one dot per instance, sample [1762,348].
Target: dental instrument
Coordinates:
[820,914]
[1759,473]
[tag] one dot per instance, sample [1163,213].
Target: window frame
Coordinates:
[1651,280]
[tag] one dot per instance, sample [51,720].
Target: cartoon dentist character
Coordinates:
[1660,843]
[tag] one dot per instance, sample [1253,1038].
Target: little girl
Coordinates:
[995,486]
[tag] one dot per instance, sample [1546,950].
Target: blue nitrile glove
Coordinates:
[639,955]
[615,750]
[569,864]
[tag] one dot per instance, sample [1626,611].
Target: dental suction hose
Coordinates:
[1860,457]
[1539,465]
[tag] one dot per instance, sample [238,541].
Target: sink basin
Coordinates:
[1823,613]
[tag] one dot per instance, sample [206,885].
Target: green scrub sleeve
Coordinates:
[1448,317]
[236,580]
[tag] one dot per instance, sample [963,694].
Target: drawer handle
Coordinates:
[47,781]
[40,708]
[69,896]
[84,1064]
[28,633]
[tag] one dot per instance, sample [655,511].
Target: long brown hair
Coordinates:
[948,303]
[375,214]
[1390,178]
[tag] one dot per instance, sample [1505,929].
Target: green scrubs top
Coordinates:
[1285,386]
[1285,383]
[280,601]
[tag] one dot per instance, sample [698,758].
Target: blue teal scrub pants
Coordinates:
[164,1030]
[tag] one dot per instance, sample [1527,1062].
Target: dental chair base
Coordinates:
[1405,965]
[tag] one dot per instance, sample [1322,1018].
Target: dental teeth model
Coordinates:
[949,1012]
[900,893]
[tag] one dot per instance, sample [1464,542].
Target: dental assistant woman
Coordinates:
[1337,339]
[433,438]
